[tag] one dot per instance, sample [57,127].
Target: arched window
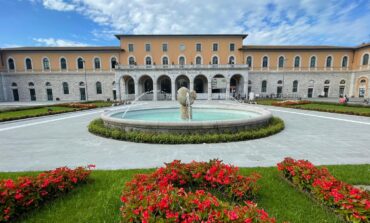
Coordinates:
[28,64]
[231,60]
[81,84]
[113,62]
[265,62]
[295,86]
[46,64]
[165,60]
[327,82]
[148,61]
[297,62]
[31,84]
[249,82]
[363,81]
[131,61]
[47,84]
[181,60]
[249,61]
[313,62]
[281,62]
[65,88]
[63,64]
[80,63]
[264,86]
[98,87]
[14,84]
[365,59]
[342,82]
[198,60]
[345,62]
[97,63]
[214,60]
[329,61]
[11,64]
[280,82]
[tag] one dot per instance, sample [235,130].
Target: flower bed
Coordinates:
[78,105]
[290,103]
[27,193]
[179,192]
[350,203]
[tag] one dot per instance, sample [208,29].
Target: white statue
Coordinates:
[186,98]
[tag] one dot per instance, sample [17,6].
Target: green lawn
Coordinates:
[99,201]
[31,112]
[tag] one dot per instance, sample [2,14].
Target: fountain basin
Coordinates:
[206,119]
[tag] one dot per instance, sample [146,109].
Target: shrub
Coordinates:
[290,103]
[351,203]
[274,126]
[178,193]
[78,105]
[27,193]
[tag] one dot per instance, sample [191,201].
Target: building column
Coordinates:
[173,91]
[228,90]
[191,85]
[209,90]
[155,91]
[136,89]
[245,86]
[118,90]
[351,86]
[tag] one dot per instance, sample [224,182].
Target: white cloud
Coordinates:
[57,42]
[266,21]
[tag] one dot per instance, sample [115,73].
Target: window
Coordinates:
[249,61]
[148,60]
[63,64]
[165,60]
[113,62]
[231,60]
[31,84]
[98,87]
[215,47]
[181,60]
[232,47]
[198,60]
[363,81]
[11,64]
[280,82]
[164,47]
[281,62]
[65,88]
[265,62]
[198,47]
[295,86]
[147,47]
[342,82]
[28,64]
[215,60]
[97,63]
[264,86]
[365,59]
[328,61]
[297,62]
[14,84]
[345,62]
[327,82]
[313,62]
[80,63]
[130,47]
[47,84]
[46,64]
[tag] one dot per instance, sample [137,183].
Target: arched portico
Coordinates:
[237,86]
[219,84]
[145,86]
[201,86]
[164,87]
[126,87]
[181,81]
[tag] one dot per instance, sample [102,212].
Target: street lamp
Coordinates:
[87,94]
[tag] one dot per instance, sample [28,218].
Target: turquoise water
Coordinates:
[173,114]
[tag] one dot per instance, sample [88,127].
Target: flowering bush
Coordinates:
[177,193]
[290,102]
[351,203]
[26,193]
[78,105]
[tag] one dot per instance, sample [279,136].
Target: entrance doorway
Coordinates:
[15,95]
[82,94]
[326,91]
[114,95]
[279,90]
[33,94]
[310,92]
[49,93]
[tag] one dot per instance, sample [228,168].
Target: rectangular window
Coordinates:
[215,47]
[147,47]
[130,47]
[232,46]
[198,47]
[164,47]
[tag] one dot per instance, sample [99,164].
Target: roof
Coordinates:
[295,47]
[66,48]
[181,35]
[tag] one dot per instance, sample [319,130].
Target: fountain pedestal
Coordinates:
[186,98]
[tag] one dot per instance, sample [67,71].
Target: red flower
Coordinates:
[9,184]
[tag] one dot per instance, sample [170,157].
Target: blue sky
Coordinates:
[94,22]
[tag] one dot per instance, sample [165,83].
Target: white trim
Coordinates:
[278,62]
[195,59]
[326,62]
[341,62]
[151,60]
[309,62]
[42,64]
[218,59]
[7,64]
[268,62]
[25,64]
[168,58]
[84,64]
[300,62]
[178,59]
[100,64]
[60,64]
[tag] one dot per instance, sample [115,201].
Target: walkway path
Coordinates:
[49,142]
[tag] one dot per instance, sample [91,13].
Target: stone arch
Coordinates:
[164,86]
[362,84]
[182,81]
[145,85]
[236,85]
[127,87]
[219,90]
[201,84]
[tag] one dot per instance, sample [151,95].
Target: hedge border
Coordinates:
[97,127]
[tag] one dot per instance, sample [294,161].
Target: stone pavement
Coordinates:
[53,141]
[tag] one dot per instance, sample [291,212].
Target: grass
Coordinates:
[99,201]
[274,126]
[326,107]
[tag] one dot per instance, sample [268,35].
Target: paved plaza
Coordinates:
[63,140]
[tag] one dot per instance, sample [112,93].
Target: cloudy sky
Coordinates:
[94,22]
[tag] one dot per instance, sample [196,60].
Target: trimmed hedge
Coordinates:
[274,126]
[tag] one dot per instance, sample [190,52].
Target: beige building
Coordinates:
[153,67]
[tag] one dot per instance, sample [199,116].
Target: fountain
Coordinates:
[186,98]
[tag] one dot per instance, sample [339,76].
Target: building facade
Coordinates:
[153,67]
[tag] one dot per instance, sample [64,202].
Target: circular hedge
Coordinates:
[274,126]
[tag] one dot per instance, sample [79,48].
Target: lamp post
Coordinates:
[87,94]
